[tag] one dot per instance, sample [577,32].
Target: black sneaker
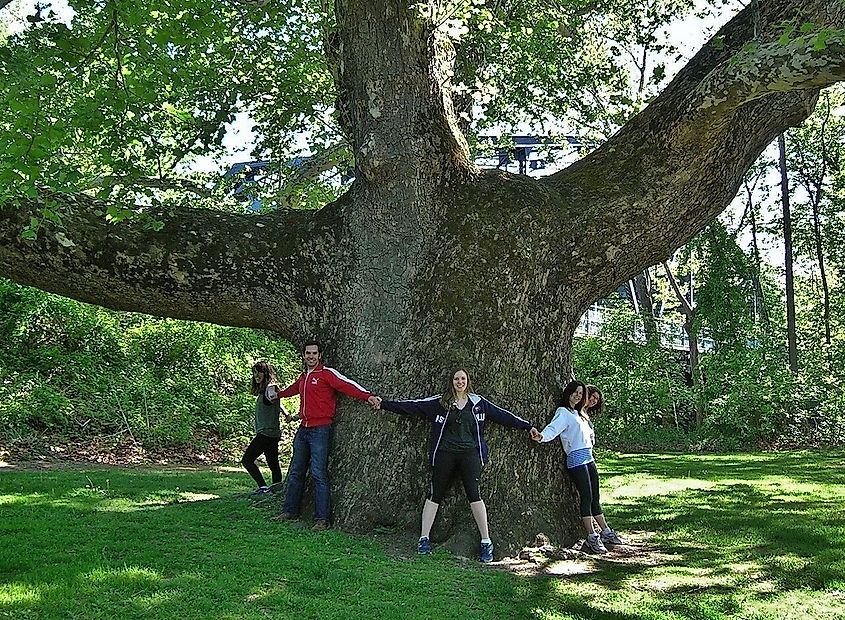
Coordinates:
[612,538]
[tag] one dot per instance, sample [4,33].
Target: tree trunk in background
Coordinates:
[791,338]
[758,276]
[691,329]
[645,305]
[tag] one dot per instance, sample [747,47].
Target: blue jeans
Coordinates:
[310,449]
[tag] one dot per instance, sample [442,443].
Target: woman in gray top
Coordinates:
[267,428]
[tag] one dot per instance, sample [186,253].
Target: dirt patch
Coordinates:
[546,559]
[117,449]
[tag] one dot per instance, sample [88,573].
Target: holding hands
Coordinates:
[375,402]
[536,435]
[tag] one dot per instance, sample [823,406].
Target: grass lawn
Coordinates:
[732,536]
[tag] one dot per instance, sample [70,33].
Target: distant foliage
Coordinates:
[74,370]
[749,397]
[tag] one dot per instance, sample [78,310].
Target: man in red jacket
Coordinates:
[317,387]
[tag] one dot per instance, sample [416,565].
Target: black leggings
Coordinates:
[269,447]
[446,465]
[586,479]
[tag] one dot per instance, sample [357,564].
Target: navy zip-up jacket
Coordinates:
[482,409]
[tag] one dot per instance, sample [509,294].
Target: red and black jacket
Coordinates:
[317,389]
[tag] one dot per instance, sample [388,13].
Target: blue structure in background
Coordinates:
[250,174]
[524,151]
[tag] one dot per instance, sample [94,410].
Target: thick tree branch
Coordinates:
[772,68]
[670,171]
[242,270]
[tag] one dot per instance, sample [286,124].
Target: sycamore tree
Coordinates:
[425,262]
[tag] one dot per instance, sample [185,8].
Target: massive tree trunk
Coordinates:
[427,262]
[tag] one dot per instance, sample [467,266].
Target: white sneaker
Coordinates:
[593,544]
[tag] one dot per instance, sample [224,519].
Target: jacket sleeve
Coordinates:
[503,416]
[345,385]
[559,423]
[425,407]
[291,390]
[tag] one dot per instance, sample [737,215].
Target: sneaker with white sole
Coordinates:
[612,538]
[593,544]
[486,552]
[424,546]
[260,491]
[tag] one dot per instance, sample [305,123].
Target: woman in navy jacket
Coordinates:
[457,447]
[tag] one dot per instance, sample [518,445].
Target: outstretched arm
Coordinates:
[503,416]
[559,424]
[425,407]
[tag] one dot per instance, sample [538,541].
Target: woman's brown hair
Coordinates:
[449,394]
[269,376]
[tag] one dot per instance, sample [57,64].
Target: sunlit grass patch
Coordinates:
[713,541]
[19,593]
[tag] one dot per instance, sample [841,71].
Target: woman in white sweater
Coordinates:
[575,430]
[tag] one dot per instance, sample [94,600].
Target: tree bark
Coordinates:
[428,263]
[791,331]
[691,328]
[645,304]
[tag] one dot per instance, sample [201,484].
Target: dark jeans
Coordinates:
[310,451]
[586,479]
[447,465]
[269,447]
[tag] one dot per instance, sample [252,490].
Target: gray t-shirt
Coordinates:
[267,417]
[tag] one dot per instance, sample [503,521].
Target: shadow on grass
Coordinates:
[117,543]
[162,544]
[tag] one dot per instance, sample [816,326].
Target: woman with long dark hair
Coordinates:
[267,427]
[458,449]
[572,424]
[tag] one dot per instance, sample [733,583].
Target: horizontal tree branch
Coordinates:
[241,270]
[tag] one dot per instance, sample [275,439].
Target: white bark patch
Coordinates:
[774,67]
[375,102]
[64,241]
[177,274]
[367,156]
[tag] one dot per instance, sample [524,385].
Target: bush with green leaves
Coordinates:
[74,370]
